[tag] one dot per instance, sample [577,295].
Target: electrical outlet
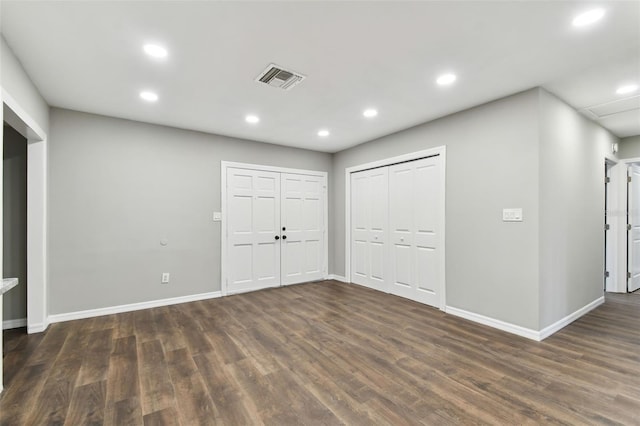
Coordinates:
[165,278]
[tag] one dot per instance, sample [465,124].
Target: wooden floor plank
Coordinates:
[321,353]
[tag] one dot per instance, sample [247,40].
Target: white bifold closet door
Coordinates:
[369,224]
[275,229]
[395,229]
[415,201]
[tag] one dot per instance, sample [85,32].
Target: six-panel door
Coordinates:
[369,224]
[253,200]
[415,201]
[303,226]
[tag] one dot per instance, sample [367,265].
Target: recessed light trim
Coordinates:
[587,18]
[370,112]
[323,133]
[252,119]
[626,89]
[155,50]
[446,79]
[149,96]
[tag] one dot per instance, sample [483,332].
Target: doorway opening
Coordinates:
[14,226]
[36,211]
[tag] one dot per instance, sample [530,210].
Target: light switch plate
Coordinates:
[217,216]
[512,215]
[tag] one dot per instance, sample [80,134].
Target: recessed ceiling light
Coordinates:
[155,50]
[149,96]
[446,79]
[369,113]
[629,88]
[253,119]
[323,133]
[588,17]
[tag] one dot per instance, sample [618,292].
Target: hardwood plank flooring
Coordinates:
[322,353]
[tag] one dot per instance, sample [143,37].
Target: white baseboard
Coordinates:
[548,331]
[495,323]
[90,313]
[37,328]
[337,278]
[14,323]
[523,331]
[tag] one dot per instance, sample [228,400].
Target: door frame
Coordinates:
[224,165]
[37,188]
[440,151]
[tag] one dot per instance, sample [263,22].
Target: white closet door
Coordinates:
[302,228]
[253,200]
[369,223]
[415,201]
[633,239]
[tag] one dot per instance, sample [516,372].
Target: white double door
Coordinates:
[396,229]
[275,229]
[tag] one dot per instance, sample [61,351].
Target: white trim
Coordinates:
[548,331]
[90,313]
[37,190]
[11,102]
[14,323]
[337,278]
[37,328]
[224,165]
[523,331]
[495,323]
[442,152]
[262,168]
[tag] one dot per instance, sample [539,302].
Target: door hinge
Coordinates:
[606,274]
[629,179]
[607,179]
[628,227]
[606,226]
[628,275]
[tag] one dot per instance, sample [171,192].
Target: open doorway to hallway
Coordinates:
[14,218]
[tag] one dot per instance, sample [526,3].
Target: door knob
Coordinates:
[277,237]
[284,237]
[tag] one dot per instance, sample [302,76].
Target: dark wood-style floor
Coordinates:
[323,353]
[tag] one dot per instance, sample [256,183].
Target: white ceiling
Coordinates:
[87,56]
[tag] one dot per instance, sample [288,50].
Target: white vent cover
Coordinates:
[276,76]
[614,107]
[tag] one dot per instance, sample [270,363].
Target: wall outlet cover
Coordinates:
[512,215]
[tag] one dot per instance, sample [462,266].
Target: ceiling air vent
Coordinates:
[614,107]
[276,76]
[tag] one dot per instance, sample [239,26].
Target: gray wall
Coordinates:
[16,82]
[117,187]
[14,222]
[572,158]
[629,147]
[492,163]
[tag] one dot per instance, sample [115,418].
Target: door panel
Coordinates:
[303,226]
[253,199]
[369,223]
[633,239]
[415,204]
